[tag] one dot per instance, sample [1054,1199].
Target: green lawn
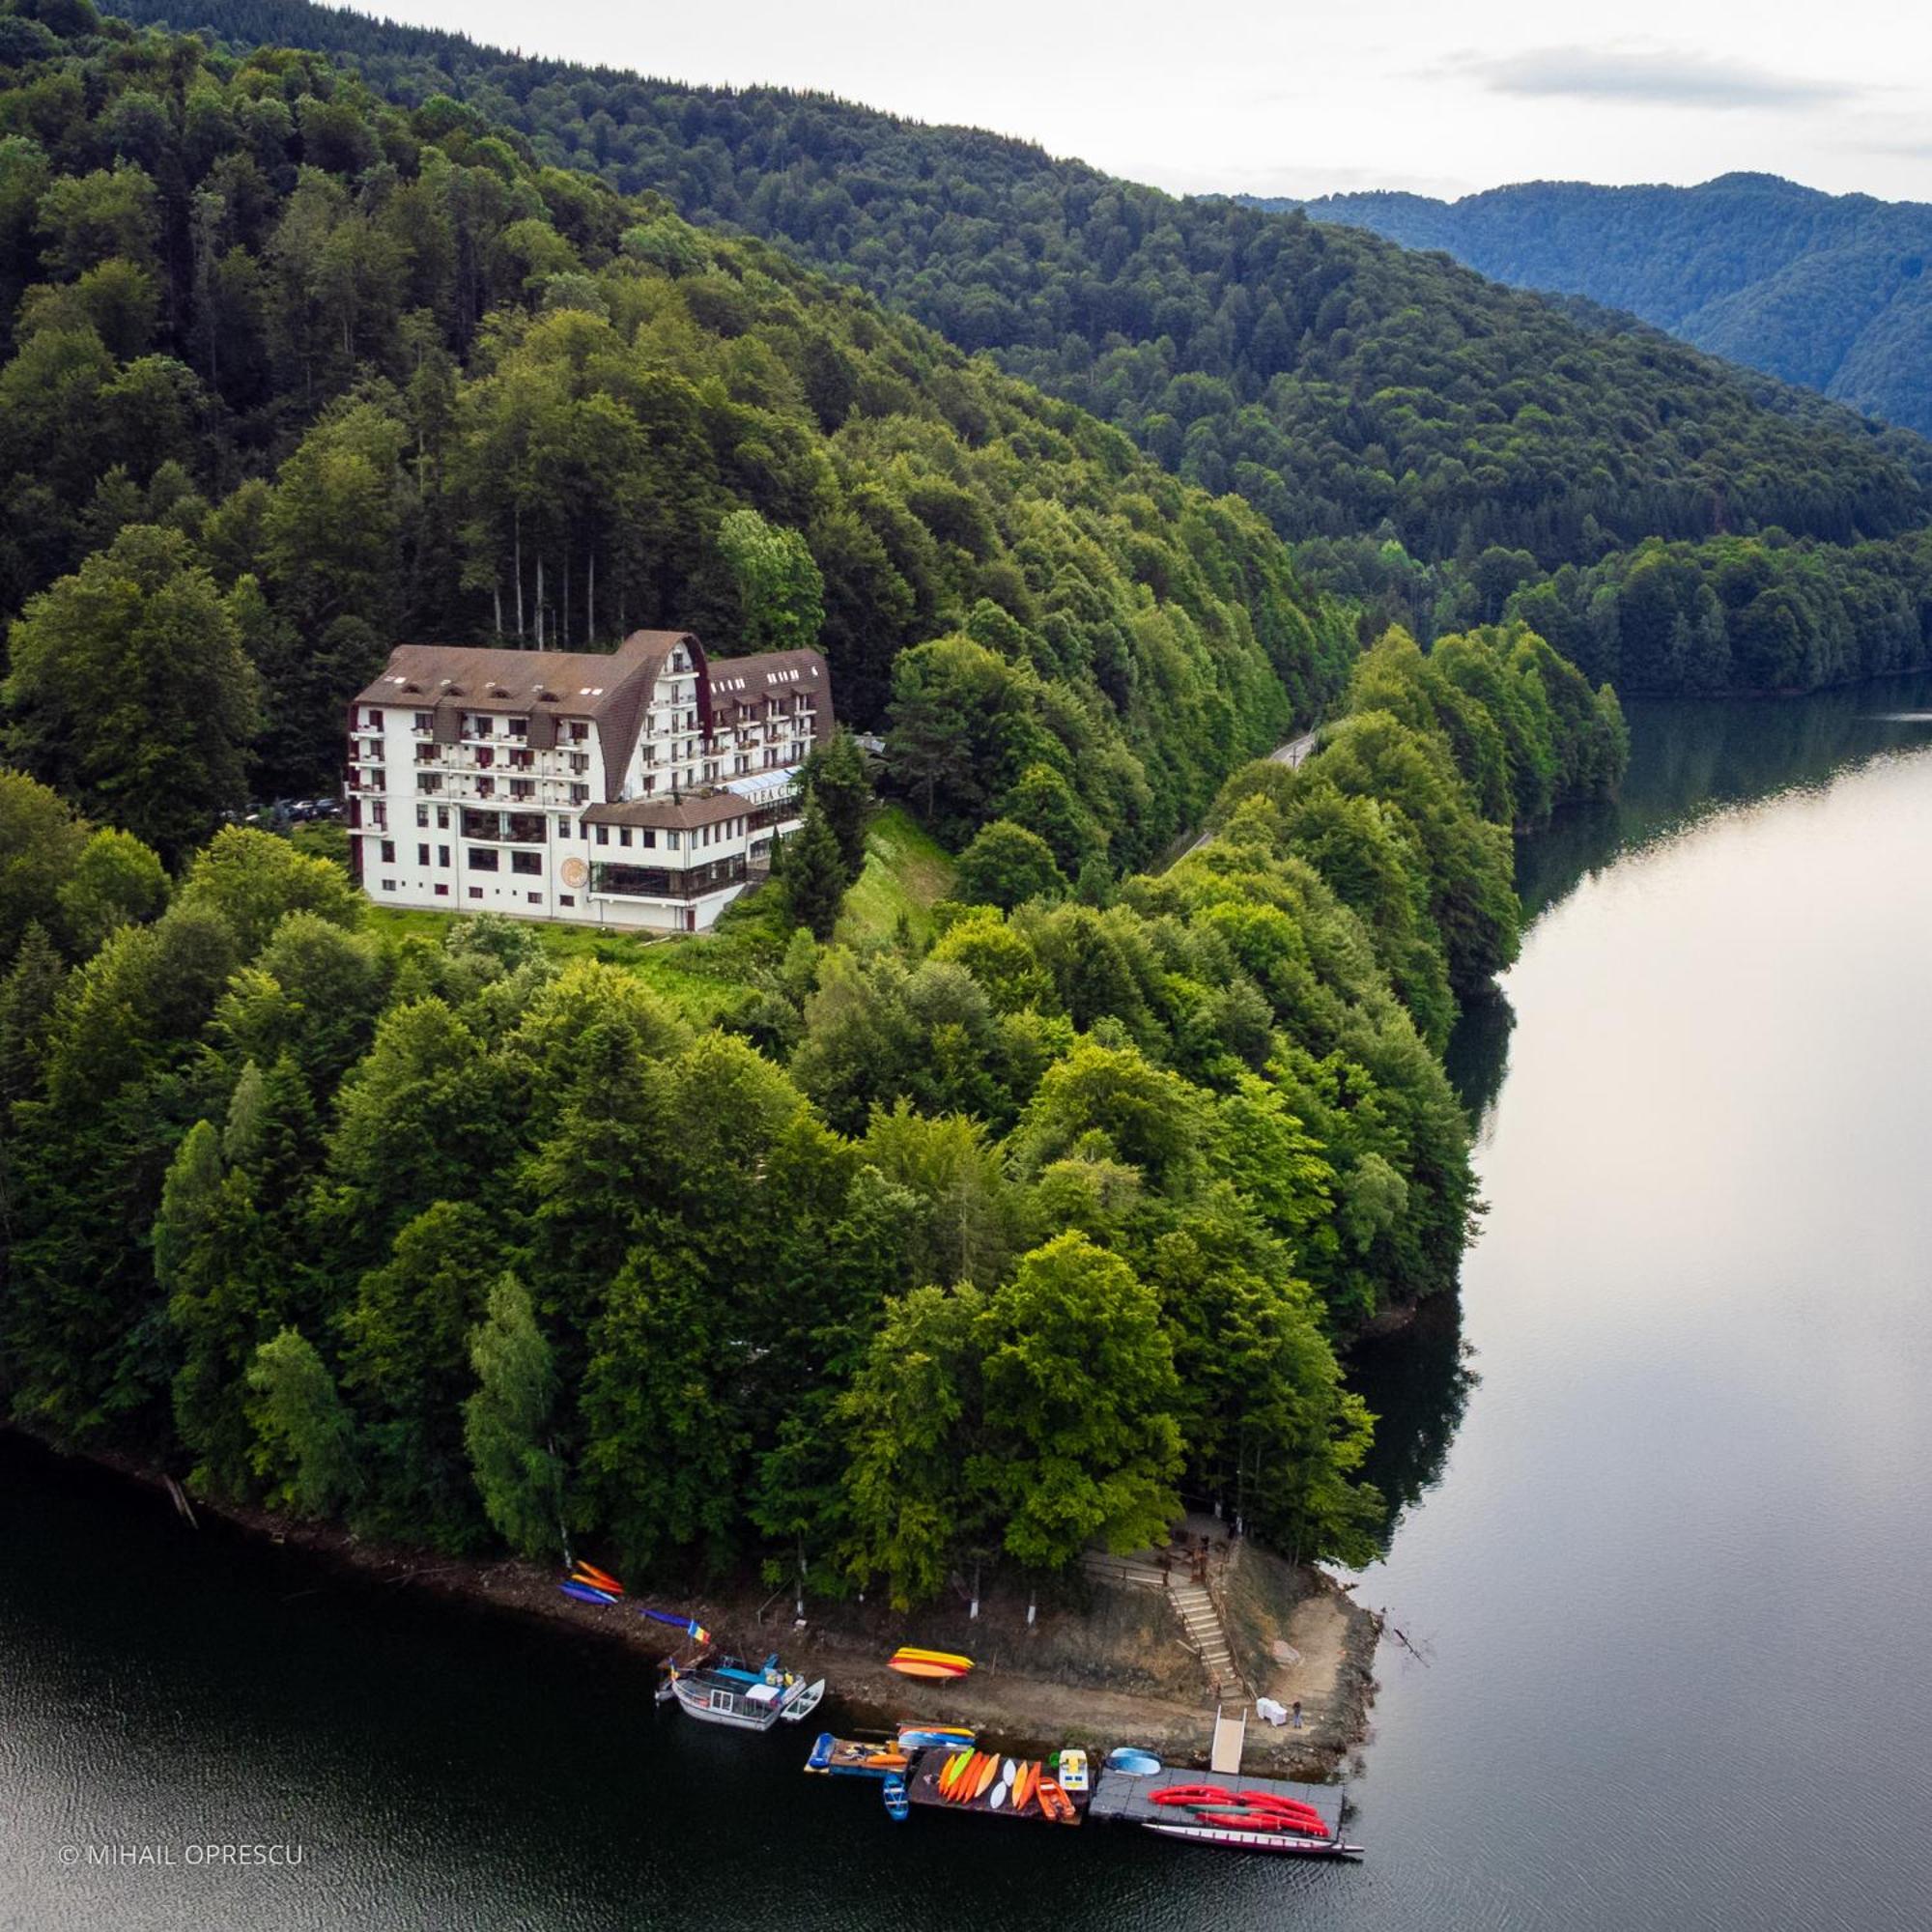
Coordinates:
[706,974]
[664,964]
[907,870]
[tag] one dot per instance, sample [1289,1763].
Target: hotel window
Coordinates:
[424,722]
[579,794]
[388,885]
[528,863]
[623,835]
[443,855]
[431,781]
[536,898]
[520,727]
[566,898]
[482,859]
[442,891]
[422,855]
[603,835]
[443,818]
[423,814]
[486,787]
[388,851]
[374,719]
[563,828]
[475,892]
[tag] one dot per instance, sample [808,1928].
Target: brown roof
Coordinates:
[685,813]
[741,685]
[612,687]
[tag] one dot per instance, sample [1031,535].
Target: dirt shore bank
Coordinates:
[1099,1664]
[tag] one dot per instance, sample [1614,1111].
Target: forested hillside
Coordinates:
[993,1247]
[1820,288]
[332,373]
[981,1243]
[1341,385]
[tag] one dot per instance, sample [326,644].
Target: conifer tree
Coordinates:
[814,874]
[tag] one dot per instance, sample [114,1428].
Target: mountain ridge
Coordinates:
[1265,356]
[1821,289]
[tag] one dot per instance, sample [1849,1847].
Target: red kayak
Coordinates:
[1259,1820]
[1268,1800]
[1192,1793]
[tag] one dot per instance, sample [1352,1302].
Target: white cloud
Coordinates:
[1667,76]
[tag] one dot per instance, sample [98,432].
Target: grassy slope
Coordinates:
[907,872]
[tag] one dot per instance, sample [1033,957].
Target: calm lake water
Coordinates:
[1664,1528]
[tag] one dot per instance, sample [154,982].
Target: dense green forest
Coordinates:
[318,373]
[1739,614]
[1819,289]
[1340,384]
[978,1245]
[982,1249]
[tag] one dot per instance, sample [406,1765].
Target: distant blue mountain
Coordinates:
[1825,290]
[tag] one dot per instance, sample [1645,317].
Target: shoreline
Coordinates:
[1101,1673]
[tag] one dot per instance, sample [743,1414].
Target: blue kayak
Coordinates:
[585,1593]
[1133,1762]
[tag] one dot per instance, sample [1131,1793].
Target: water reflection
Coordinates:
[1689,758]
[1418,1384]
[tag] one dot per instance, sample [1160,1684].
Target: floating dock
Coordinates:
[849,1757]
[923,1788]
[1120,1799]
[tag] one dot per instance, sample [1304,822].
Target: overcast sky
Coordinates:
[1287,97]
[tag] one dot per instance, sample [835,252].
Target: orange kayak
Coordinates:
[920,1667]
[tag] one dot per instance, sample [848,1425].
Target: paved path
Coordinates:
[1289,754]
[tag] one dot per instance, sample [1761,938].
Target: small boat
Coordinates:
[601,1579]
[898,1804]
[1132,1762]
[1248,1839]
[723,1690]
[955,1766]
[586,1593]
[1026,1784]
[1054,1803]
[1071,1771]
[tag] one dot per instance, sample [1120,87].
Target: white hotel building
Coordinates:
[640,788]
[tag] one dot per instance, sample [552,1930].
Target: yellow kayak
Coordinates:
[949,1660]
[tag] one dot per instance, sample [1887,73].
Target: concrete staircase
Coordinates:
[1203,1630]
[1191,1601]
